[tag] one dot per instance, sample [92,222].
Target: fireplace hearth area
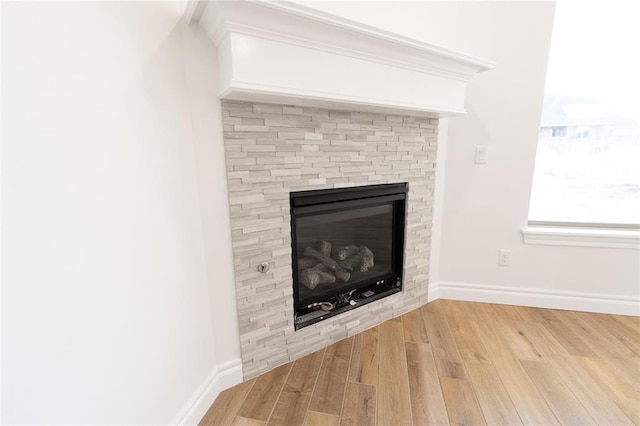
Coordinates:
[347,248]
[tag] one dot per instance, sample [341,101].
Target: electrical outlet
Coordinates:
[504,257]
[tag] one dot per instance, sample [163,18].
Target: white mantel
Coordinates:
[288,53]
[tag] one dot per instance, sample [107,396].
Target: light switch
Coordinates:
[482,153]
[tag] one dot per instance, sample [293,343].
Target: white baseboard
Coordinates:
[433,292]
[537,298]
[222,377]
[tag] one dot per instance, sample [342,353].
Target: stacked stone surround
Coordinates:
[272,150]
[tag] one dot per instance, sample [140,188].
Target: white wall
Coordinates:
[108,313]
[485,206]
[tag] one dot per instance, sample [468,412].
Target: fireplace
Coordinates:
[347,248]
[325,156]
[303,110]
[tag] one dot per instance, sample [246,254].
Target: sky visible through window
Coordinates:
[588,160]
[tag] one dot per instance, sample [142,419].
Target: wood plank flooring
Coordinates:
[452,362]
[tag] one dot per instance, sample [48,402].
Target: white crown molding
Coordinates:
[193,10]
[536,297]
[272,50]
[309,13]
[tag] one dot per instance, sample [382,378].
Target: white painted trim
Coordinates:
[222,377]
[582,237]
[259,43]
[306,26]
[193,10]
[259,92]
[461,74]
[433,292]
[310,13]
[539,298]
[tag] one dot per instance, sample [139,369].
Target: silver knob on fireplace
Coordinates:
[263,267]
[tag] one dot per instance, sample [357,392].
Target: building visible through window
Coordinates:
[557,132]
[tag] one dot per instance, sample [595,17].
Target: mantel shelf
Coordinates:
[284,52]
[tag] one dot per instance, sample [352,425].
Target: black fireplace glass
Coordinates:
[347,248]
[369,226]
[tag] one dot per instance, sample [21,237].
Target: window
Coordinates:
[588,159]
[558,132]
[582,132]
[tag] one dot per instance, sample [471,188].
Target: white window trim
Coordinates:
[581,236]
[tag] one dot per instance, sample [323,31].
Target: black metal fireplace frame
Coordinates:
[307,203]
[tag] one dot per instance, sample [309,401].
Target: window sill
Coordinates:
[581,237]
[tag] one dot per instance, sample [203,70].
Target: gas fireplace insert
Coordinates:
[348,247]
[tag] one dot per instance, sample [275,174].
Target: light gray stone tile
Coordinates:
[365,140]
[251,121]
[267,108]
[292,110]
[312,136]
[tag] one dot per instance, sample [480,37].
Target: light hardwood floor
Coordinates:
[453,362]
